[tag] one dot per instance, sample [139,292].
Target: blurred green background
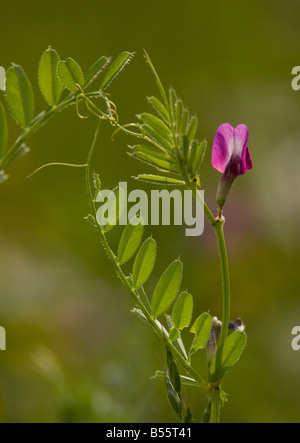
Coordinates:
[59,298]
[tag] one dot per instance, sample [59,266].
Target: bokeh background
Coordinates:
[75,352]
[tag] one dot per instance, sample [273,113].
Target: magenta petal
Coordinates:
[247,160]
[240,160]
[221,151]
[241,136]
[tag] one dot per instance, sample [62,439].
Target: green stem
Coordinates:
[126,281]
[219,230]
[215,409]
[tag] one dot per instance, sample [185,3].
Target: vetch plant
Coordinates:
[167,142]
[171,148]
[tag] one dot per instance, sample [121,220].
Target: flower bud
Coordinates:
[211,346]
[237,325]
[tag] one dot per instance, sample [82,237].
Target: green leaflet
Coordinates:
[193,150]
[144,263]
[96,182]
[173,396]
[201,328]
[228,355]
[157,125]
[174,334]
[158,138]
[167,288]
[196,156]
[182,311]
[50,85]
[157,163]
[176,337]
[95,70]
[184,122]
[159,180]
[173,102]
[160,109]
[173,383]
[173,371]
[70,74]
[117,66]
[3,131]
[153,151]
[193,125]
[130,240]
[184,149]
[19,95]
[179,112]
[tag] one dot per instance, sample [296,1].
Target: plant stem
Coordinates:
[219,230]
[215,409]
[159,329]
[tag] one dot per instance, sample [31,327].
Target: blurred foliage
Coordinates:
[229,61]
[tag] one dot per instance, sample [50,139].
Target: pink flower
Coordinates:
[230,156]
